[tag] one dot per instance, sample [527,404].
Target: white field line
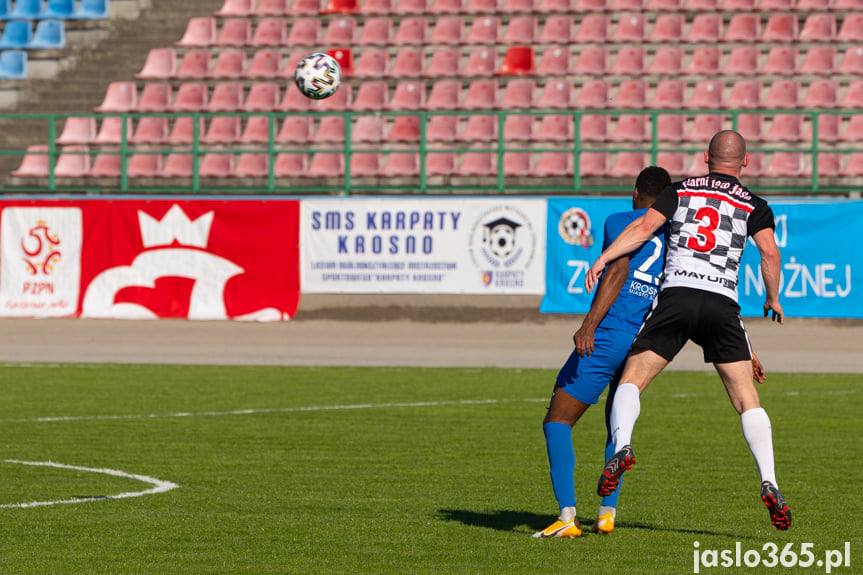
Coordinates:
[159,486]
[356,406]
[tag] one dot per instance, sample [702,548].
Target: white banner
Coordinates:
[40,267]
[423,245]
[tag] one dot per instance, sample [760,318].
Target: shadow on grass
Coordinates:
[524,521]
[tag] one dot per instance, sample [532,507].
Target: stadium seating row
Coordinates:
[482,94]
[592,128]
[76,162]
[554,61]
[54,9]
[526,29]
[21,35]
[233,8]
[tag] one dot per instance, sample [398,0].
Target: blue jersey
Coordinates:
[645,272]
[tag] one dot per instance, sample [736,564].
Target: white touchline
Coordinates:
[354,406]
[159,486]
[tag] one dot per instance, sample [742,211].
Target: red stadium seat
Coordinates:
[556,95]
[265,64]
[592,30]
[631,95]
[484,31]
[191,97]
[784,164]
[280,7]
[269,32]
[704,61]
[194,65]
[518,61]
[81,131]
[340,7]
[476,164]
[819,61]
[521,30]
[408,95]
[479,6]
[439,7]
[404,164]
[629,128]
[743,61]
[234,8]
[376,32]
[705,27]
[818,27]
[448,30]
[780,28]
[251,165]
[262,97]
[592,164]
[516,164]
[119,97]
[365,164]
[556,129]
[440,163]
[160,64]
[593,95]
[107,164]
[215,165]
[227,97]
[200,32]
[852,61]
[554,62]
[230,64]
[151,130]
[289,165]
[704,126]
[183,132]
[35,163]
[518,127]
[144,165]
[412,31]
[516,6]
[372,63]
[222,130]
[557,30]
[409,63]
[444,62]
[177,165]
[781,61]
[592,61]
[553,164]
[73,162]
[629,28]
[304,32]
[481,95]
[326,165]
[234,32]
[667,61]
[668,28]
[707,95]
[371,96]
[111,131]
[411,7]
[376,7]
[479,129]
[743,28]
[628,164]
[444,95]
[340,32]
[851,29]
[295,130]
[629,61]
[480,62]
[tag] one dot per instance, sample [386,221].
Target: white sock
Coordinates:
[624,412]
[603,509]
[567,514]
[758,434]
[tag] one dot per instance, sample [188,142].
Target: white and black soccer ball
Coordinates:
[318,76]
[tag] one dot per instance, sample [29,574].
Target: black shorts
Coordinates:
[710,320]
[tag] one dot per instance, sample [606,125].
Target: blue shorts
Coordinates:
[585,378]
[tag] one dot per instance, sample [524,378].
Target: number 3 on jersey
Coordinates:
[704,240]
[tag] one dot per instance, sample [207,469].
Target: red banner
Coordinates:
[161,258]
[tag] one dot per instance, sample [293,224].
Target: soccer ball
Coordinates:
[318,76]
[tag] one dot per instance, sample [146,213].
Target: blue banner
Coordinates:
[822,260]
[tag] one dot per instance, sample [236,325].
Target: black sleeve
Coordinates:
[666,203]
[761,218]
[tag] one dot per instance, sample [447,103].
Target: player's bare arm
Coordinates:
[629,240]
[615,277]
[771,269]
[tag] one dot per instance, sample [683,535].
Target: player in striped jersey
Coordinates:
[711,218]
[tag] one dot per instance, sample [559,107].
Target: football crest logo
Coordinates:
[574,228]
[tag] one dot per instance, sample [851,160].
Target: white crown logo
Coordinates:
[176,225]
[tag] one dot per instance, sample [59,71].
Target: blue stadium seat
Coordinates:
[17,34]
[49,35]
[26,9]
[91,10]
[5,8]
[58,9]
[13,65]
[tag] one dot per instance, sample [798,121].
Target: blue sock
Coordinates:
[561,460]
[610,500]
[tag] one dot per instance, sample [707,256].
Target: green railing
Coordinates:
[809,181]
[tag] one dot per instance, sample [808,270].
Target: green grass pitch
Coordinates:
[401,470]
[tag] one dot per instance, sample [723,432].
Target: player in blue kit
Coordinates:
[622,299]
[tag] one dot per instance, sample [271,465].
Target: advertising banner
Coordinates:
[161,258]
[821,260]
[423,245]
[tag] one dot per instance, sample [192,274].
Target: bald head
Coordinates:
[726,153]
